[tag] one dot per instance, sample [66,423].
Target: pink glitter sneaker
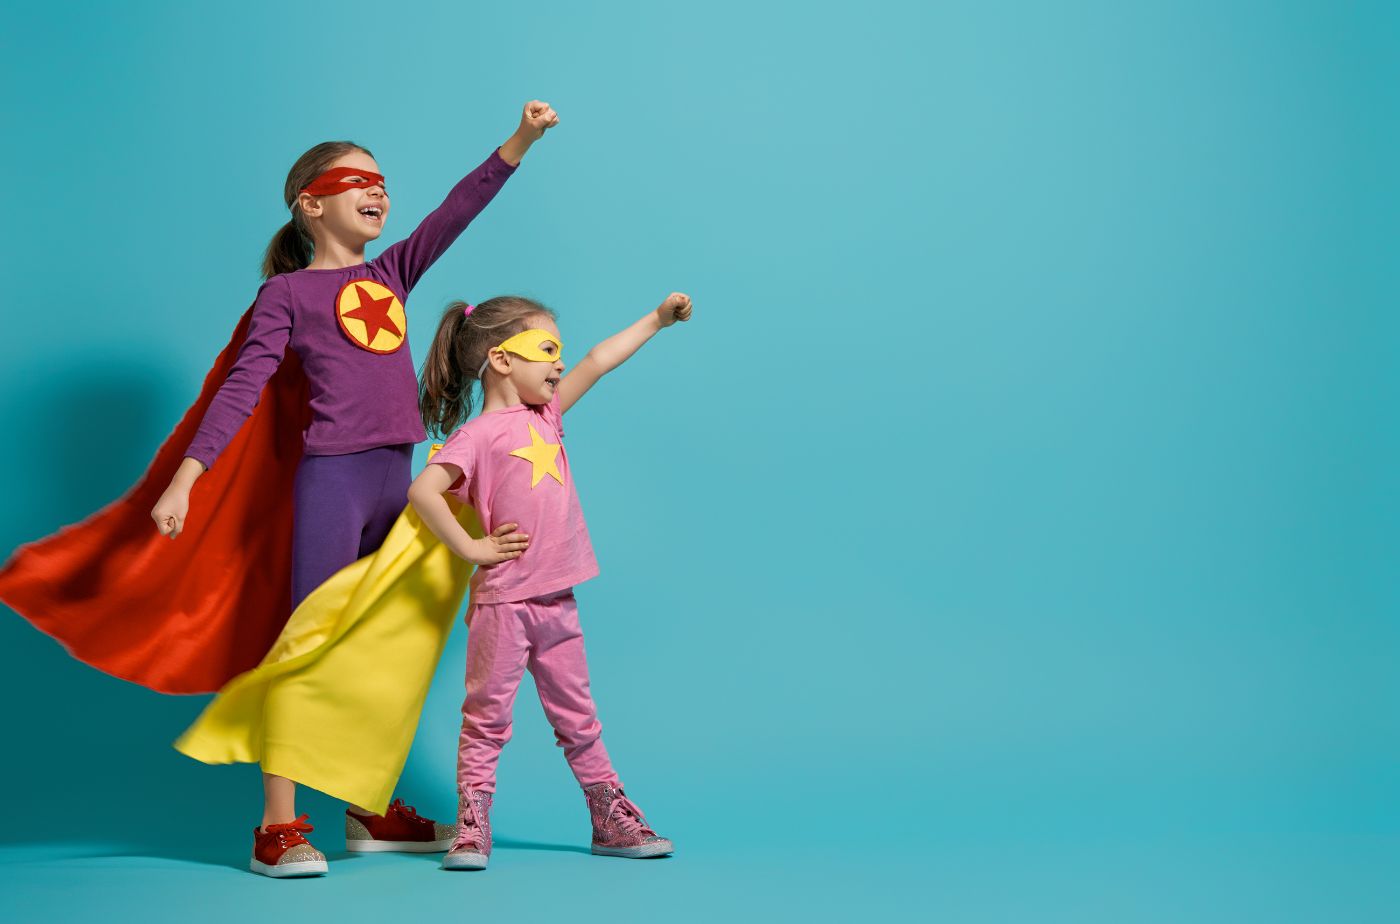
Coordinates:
[472,848]
[619,830]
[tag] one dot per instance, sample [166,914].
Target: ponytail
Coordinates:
[289,251]
[445,387]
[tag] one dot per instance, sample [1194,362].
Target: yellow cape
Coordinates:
[335,702]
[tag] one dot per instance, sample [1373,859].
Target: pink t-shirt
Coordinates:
[515,470]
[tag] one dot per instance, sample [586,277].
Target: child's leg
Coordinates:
[327,519]
[389,469]
[561,676]
[560,669]
[279,800]
[497,648]
[331,506]
[337,503]
[394,474]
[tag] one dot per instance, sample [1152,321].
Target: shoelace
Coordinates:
[407,811]
[630,818]
[470,820]
[291,830]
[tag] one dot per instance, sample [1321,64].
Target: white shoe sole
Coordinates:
[642,852]
[364,846]
[464,861]
[290,870]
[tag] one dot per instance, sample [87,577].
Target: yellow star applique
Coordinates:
[541,455]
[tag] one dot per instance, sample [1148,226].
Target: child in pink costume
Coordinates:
[509,464]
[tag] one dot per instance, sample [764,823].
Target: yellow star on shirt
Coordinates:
[541,455]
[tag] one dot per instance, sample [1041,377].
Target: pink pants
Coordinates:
[502,640]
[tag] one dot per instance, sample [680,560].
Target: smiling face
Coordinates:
[534,380]
[353,217]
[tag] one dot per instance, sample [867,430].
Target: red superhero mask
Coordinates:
[335,181]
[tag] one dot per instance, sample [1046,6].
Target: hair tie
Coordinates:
[467,311]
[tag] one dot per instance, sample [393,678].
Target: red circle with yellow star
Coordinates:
[371,315]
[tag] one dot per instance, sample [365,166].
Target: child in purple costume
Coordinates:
[344,318]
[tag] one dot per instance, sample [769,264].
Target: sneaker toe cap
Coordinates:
[301,853]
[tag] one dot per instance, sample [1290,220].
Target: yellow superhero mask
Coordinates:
[528,344]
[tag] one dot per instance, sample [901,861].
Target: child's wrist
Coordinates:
[187,474]
[473,551]
[515,147]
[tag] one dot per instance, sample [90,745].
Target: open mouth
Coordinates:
[552,382]
[372,212]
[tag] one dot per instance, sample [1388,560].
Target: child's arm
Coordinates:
[613,352]
[264,346]
[411,257]
[426,496]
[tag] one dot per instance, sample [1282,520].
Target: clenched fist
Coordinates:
[537,119]
[675,308]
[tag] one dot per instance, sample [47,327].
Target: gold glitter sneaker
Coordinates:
[280,851]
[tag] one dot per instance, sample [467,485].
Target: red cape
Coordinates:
[187,615]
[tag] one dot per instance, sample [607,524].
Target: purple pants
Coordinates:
[502,640]
[344,507]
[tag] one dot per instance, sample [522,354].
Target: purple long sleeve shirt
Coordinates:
[360,399]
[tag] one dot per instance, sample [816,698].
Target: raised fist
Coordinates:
[675,308]
[537,118]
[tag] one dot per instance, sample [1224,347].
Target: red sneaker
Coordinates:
[400,828]
[280,851]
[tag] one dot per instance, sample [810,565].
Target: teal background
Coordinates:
[1010,537]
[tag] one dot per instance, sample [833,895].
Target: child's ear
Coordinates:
[309,204]
[500,361]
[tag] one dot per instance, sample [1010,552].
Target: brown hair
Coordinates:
[291,247]
[459,348]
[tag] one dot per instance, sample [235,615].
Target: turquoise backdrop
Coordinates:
[1010,537]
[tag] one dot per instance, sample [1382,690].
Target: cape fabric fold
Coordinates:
[181,616]
[335,703]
